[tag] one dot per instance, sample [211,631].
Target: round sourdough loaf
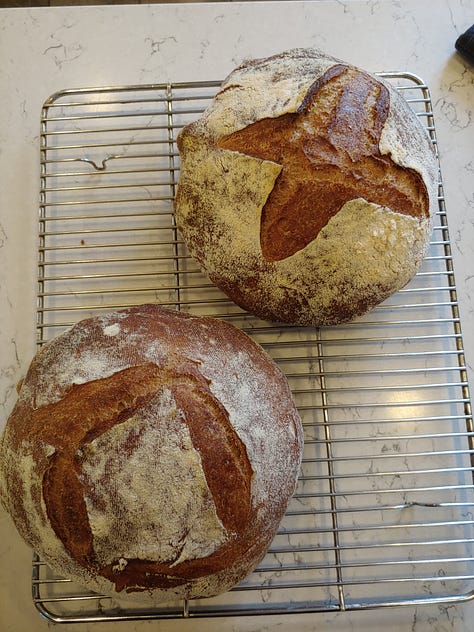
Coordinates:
[306,189]
[151,454]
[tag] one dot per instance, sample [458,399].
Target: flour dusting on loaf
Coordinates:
[142,451]
[151,454]
[324,232]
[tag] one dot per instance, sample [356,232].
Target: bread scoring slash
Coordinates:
[307,189]
[151,454]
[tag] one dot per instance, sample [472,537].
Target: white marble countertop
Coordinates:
[44,50]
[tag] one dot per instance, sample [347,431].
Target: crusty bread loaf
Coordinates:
[151,454]
[306,189]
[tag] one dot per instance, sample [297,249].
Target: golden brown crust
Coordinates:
[221,450]
[306,189]
[324,165]
[135,460]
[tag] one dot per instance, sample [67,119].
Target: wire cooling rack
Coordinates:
[383,511]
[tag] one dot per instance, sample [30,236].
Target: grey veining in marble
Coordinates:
[45,50]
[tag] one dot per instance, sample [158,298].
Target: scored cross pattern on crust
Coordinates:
[112,401]
[329,153]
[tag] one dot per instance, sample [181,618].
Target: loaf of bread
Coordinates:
[151,454]
[306,189]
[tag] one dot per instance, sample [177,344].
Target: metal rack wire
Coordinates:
[382,515]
